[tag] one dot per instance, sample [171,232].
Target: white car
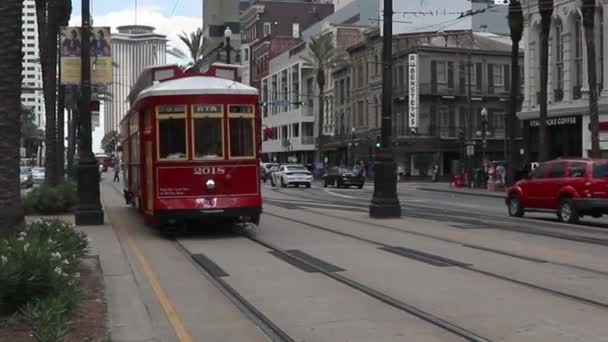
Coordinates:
[292,174]
[38,174]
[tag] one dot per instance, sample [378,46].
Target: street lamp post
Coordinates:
[385,203]
[88,210]
[484,124]
[352,143]
[228,36]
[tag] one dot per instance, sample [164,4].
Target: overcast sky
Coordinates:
[170,17]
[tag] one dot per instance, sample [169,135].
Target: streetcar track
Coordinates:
[273,332]
[464,266]
[507,224]
[414,311]
[460,243]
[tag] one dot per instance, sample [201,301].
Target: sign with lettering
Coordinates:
[205,109]
[412,85]
[241,109]
[171,110]
[567,120]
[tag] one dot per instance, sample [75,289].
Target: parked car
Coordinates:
[292,174]
[572,188]
[38,175]
[265,170]
[343,177]
[25,177]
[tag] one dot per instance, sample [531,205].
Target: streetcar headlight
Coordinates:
[210,184]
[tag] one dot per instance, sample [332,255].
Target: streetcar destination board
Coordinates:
[171,109]
[241,109]
[208,108]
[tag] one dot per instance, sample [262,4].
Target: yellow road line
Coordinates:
[159,292]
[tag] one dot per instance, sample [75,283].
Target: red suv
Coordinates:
[571,187]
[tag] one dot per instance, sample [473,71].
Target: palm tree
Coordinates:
[11,209]
[588,9]
[516,25]
[195,43]
[322,55]
[546,10]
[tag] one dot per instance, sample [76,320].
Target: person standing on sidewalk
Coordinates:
[116,167]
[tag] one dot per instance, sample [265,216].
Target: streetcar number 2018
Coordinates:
[209,171]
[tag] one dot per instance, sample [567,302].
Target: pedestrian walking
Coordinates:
[116,168]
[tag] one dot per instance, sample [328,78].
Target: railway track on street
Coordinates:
[541,228]
[462,265]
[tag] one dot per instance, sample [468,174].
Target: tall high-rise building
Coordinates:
[32,96]
[134,48]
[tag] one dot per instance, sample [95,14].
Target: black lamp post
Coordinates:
[353,142]
[88,210]
[228,36]
[484,128]
[385,203]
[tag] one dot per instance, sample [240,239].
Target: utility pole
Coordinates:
[88,211]
[469,127]
[385,203]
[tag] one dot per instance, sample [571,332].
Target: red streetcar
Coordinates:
[191,147]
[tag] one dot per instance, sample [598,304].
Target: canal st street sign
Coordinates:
[561,121]
[413,91]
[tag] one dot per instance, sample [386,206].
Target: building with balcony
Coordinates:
[271,27]
[444,120]
[568,84]
[292,92]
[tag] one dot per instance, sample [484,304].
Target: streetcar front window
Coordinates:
[172,138]
[241,137]
[208,138]
[241,128]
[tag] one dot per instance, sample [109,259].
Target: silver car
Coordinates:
[25,177]
[38,174]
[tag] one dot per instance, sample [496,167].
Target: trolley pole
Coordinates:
[385,203]
[88,211]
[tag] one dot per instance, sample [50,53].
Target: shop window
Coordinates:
[207,132]
[241,128]
[539,172]
[172,133]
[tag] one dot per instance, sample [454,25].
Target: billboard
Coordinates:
[101,55]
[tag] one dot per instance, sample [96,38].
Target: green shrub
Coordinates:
[41,261]
[48,317]
[52,200]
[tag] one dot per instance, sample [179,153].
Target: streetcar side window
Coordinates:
[207,131]
[241,131]
[171,132]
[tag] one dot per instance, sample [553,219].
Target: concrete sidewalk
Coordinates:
[128,315]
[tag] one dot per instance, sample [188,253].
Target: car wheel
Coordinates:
[308,185]
[283,185]
[514,206]
[360,186]
[324,182]
[567,212]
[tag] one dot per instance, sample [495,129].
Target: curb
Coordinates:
[462,193]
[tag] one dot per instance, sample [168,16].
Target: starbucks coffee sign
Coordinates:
[561,121]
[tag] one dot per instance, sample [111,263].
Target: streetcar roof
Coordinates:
[198,85]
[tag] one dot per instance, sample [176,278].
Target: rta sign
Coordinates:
[207,171]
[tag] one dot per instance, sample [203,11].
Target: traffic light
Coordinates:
[378,143]
[263,104]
